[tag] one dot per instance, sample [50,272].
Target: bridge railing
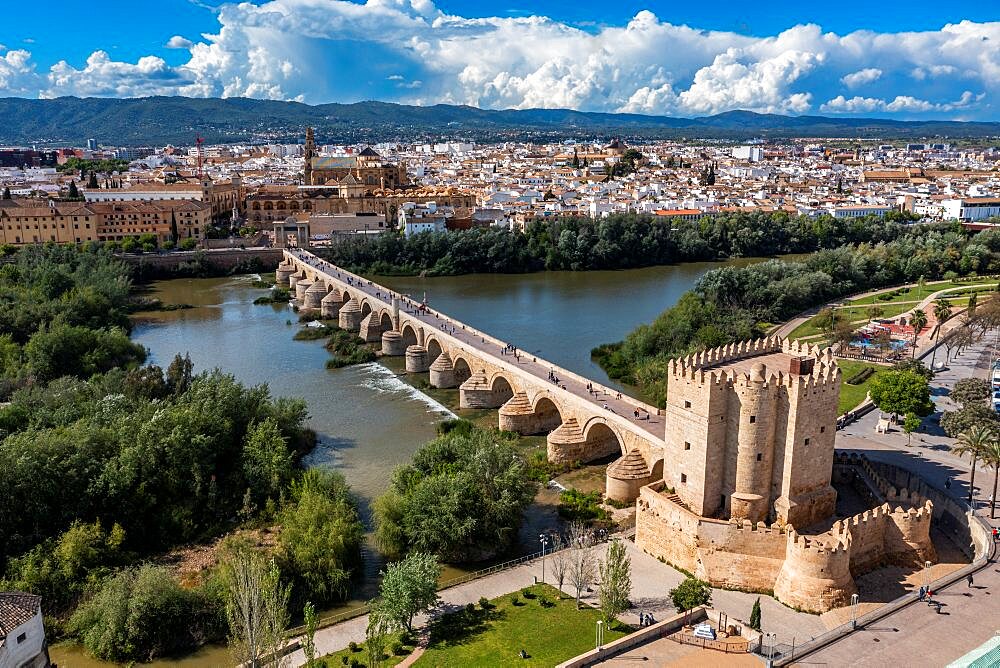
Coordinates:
[305,256]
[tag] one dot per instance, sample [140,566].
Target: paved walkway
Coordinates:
[916,635]
[490,348]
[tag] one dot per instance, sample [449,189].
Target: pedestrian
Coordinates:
[968,581]
[930,596]
[921,593]
[996,534]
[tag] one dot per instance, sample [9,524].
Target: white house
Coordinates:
[22,634]
[971,208]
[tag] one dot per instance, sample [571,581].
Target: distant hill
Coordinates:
[178,120]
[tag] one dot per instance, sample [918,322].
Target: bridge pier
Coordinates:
[626,476]
[476,392]
[329,306]
[443,372]
[314,296]
[519,415]
[566,443]
[300,291]
[371,329]
[292,282]
[392,343]
[416,359]
[283,273]
[350,315]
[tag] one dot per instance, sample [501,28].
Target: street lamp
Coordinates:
[543,539]
[854,611]
[927,566]
[600,634]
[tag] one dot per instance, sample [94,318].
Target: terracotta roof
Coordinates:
[16,608]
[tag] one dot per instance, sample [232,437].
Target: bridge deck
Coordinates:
[649,421]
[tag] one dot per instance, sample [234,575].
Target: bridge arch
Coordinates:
[366,308]
[547,412]
[462,369]
[502,388]
[385,321]
[409,333]
[345,296]
[601,440]
[433,349]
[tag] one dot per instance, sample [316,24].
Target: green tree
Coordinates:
[918,320]
[975,443]
[311,620]
[92,181]
[942,311]
[911,423]
[321,536]
[901,392]
[755,615]
[376,636]
[973,300]
[173,227]
[691,593]
[982,415]
[616,582]
[142,613]
[6,193]
[73,193]
[267,461]
[409,587]
[968,391]
[256,607]
[991,457]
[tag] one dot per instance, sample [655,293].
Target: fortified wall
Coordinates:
[750,449]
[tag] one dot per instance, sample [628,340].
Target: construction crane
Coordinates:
[198,142]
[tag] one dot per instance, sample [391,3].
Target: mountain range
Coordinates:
[152,121]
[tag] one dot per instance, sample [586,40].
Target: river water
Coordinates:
[367,419]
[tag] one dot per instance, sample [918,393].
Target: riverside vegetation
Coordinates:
[732,304]
[106,464]
[620,241]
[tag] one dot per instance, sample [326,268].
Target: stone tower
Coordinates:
[310,153]
[750,430]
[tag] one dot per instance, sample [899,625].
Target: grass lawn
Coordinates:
[493,637]
[345,656]
[852,395]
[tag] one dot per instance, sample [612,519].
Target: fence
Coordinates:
[738,647]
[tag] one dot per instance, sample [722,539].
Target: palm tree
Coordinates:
[991,456]
[942,311]
[918,320]
[973,441]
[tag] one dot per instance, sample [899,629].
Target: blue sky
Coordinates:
[892,58]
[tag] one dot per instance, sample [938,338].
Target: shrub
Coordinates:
[484,603]
[353,646]
[860,376]
[514,599]
[470,608]
[396,648]
[527,593]
[577,506]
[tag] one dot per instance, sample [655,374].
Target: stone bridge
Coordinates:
[580,424]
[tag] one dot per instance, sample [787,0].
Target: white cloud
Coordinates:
[861,77]
[17,72]
[411,51]
[179,42]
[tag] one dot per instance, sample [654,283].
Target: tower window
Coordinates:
[753,418]
[822,429]
[760,456]
[684,478]
[687,404]
[807,441]
[687,446]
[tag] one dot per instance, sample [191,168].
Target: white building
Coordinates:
[971,208]
[857,210]
[748,153]
[416,218]
[22,633]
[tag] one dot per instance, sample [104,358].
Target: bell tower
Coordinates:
[310,152]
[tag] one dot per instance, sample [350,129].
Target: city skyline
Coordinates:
[921,63]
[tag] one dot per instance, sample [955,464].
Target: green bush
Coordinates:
[575,505]
[861,376]
[188,244]
[140,614]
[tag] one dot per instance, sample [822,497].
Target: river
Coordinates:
[368,420]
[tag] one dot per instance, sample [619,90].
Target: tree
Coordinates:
[74,193]
[968,391]
[309,639]
[911,423]
[901,392]
[954,423]
[942,311]
[173,227]
[581,558]
[690,594]
[376,635]
[973,299]
[991,457]
[409,587]
[875,312]
[755,615]
[974,442]
[256,607]
[918,320]
[92,181]
[576,159]
[6,193]
[559,558]
[267,461]
[616,581]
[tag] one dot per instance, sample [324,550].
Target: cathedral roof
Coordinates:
[369,152]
